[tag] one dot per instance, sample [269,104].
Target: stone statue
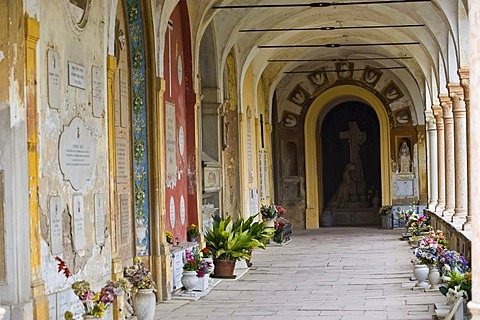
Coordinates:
[404,158]
[342,195]
[356,138]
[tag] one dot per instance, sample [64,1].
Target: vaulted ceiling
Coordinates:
[419,42]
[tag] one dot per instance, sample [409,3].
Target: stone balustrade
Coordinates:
[458,239]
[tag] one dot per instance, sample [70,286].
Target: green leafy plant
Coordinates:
[234,240]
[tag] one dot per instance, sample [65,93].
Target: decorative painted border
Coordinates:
[139,121]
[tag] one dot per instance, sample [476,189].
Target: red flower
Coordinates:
[62,267]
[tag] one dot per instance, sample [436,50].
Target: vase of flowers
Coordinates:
[386,212]
[143,288]
[192,232]
[168,237]
[269,213]
[207,256]
[189,276]
[94,303]
[420,271]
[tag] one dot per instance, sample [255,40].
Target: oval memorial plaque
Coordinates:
[77,154]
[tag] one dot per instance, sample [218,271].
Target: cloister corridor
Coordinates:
[328,273]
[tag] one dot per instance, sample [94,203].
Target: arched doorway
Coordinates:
[349,127]
[313,177]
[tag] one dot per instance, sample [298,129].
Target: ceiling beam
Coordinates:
[337,45]
[332,28]
[339,59]
[370,68]
[315,4]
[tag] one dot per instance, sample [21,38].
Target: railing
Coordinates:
[458,239]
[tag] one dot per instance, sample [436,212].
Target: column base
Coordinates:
[431,206]
[439,208]
[467,225]
[448,212]
[474,309]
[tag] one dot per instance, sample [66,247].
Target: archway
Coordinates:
[355,202]
[319,107]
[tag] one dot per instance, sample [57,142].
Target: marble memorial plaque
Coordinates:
[53,70]
[170,140]
[125,212]
[97,91]
[3,267]
[405,188]
[123,164]
[56,225]
[68,301]
[99,219]
[182,210]
[52,307]
[78,223]
[76,76]
[117,100]
[124,104]
[77,154]
[172,212]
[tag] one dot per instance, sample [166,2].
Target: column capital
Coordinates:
[446,104]
[455,90]
[430,120]
[464,75]
[437,113]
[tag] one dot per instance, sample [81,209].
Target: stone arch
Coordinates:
[314,192]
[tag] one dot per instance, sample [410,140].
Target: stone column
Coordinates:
[438,113]
[465,83]
[432,161]
[474,154]
[460,152]
[446,104]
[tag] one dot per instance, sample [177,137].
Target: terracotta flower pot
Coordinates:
[224,268]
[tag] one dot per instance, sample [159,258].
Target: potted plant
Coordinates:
[143,288]
[230,242]
[386,212]
[207,256]
[192,232]
[189,276]
[94,303]
[168,237]
[269,213]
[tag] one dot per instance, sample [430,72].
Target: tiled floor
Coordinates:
[329,273]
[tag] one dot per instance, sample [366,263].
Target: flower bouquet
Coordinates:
[428,251]
[192,232]
[206,253]
[139,276]
[94,303]
[168,237]
[269,212]
[195,263]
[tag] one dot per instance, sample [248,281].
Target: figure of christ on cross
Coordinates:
[356,138]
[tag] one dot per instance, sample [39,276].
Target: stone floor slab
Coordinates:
[329,273]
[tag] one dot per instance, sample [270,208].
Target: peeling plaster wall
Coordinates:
[15,289]
[231,188]
[85,48]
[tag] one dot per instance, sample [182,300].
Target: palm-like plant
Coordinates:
[235,240]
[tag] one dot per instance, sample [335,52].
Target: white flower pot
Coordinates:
[144,304]
[270,223]
[212,266]
[434,277]
[202,284]
[421,274]
[189,280]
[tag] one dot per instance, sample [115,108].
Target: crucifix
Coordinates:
[356,138]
